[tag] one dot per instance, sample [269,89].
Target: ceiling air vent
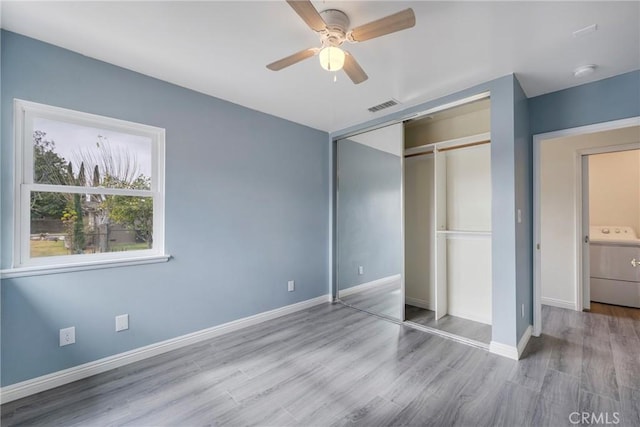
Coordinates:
[386,104]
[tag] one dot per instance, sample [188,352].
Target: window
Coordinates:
[88,189]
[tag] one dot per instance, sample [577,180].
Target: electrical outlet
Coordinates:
[122,322]
[291,285]
[67,336]
[523,311]
[360,270]
[519,216]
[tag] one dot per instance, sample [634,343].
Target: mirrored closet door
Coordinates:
[369,218]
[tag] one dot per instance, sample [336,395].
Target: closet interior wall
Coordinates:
[447,184]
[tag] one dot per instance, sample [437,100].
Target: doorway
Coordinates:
[611,226]
[559,226]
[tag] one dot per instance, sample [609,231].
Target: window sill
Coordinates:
[70,267]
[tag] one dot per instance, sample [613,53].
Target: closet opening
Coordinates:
[447,222]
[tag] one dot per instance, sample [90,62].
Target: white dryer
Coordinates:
[615,265]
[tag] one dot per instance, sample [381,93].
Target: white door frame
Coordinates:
[537,142]
[585,267]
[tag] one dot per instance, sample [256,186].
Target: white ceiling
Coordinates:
[222,48]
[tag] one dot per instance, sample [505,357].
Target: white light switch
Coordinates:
[360,270]
[122,322]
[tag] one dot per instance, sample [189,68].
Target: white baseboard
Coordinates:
[56,379]
[559,303]
[504,350]
[522,344]
[510,351]
[417,302]
[369,285]
[463,315]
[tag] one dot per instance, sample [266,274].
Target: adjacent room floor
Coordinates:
[332,365]
[454,325]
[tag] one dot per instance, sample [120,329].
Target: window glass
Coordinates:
[74,223]
[70,154]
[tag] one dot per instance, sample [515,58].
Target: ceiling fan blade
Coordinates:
[292,59]
[308,13]
[353,69]
[387,25]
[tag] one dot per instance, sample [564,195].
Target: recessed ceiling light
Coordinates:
[584,71]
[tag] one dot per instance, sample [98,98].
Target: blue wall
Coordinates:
[246,196]
[609,99]
[369,217]
[503,203]
[524,202]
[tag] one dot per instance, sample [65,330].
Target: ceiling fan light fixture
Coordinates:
[331,58]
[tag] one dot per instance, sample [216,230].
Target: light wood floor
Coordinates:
[332,365]
[454,325]
[385,300]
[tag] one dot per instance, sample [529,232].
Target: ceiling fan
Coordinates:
[332,27]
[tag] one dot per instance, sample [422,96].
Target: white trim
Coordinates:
[85,119]
[483,320]
[510,351]
[74,189]
[584,298]
[524,340]
[18,130]
[417,302]
[403,289]
[581,130]
[537,140]
[577,212]
[36,385]
[609,149]
[537,287]
[571,305]
[503,350]
[70,267]
[368,285]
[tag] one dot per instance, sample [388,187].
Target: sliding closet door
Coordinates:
[420,226]
[370,263]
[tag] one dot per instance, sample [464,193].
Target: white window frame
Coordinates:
[23,264]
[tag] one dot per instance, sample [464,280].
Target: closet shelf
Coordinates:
[428,148]
[464,233]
